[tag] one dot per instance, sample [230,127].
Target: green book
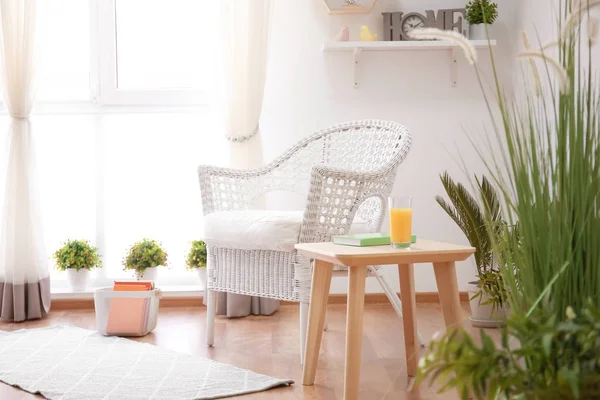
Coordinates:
[363,239]
[366,239]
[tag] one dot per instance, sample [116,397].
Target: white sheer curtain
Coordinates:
[244,44]
[24,278]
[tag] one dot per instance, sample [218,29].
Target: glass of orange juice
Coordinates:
[400,221]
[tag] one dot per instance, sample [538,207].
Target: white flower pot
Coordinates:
[478,32]
[149,274]
[78,280]
[482,315]
[202,277]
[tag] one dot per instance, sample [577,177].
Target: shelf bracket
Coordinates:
[454,67]
[357,52]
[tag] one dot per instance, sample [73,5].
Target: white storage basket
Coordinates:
[104,296]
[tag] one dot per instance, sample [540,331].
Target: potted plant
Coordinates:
[539,357]
[480,13]
[77,257]
[144,258]
[196,259]
[487,293]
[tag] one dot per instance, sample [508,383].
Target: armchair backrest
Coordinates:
[360,146]
[347,170]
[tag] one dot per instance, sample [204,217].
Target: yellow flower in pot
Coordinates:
[77,258]
[144,258]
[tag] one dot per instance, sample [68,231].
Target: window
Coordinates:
[66,156]
[63,35]
[151,185]
[126,52]
[161,50]
[111,174]
[155,51]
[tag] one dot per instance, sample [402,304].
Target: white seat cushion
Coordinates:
[258,229]
[253,229]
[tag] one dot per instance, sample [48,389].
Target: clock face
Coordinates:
[412,21]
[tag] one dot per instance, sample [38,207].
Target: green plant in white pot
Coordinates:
[77,258]
[480,14]
[144,258]
[487,293]
[196,260]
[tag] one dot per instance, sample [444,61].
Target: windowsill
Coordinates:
[171,291]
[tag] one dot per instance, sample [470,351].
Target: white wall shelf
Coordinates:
[431,45]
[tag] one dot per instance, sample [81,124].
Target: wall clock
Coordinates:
[349,6]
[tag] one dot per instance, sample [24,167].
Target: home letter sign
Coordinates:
[397,25]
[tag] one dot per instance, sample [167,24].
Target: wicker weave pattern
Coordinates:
[344,171]
[260,271]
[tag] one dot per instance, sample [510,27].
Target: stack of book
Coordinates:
[128,316]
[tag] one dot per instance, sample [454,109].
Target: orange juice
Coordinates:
[400,225]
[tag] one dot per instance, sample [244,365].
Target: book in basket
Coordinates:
[363,239]
[129,316]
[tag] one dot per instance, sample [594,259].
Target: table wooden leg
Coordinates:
[445,276]
[321,281]
[409,316]
[354,330]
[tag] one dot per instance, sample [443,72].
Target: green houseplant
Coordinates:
[557,359]
[144,258]
[545,167]
[479,14]
[471,215]
[77,258]
[196,260]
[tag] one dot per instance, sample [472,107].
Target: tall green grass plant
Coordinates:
[547,172]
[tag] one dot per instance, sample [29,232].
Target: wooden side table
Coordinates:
[326,255]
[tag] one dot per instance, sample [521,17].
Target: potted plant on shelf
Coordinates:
[479,14]
[77,257]
[487,295]
[144,258]
[196,260]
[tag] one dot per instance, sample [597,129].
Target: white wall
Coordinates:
[308,90]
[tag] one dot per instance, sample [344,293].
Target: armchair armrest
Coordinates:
[225,189]
[335,197]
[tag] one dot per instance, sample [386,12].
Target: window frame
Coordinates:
[103,68]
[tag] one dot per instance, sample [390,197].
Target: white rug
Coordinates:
[69,363]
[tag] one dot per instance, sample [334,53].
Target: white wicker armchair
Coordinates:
[345,171]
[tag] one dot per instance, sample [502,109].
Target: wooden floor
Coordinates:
[270,345]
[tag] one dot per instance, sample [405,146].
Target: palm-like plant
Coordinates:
[473,216]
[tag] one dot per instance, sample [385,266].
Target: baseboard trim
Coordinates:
[196,301]
[82,304]
[71,304]
[381,298]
